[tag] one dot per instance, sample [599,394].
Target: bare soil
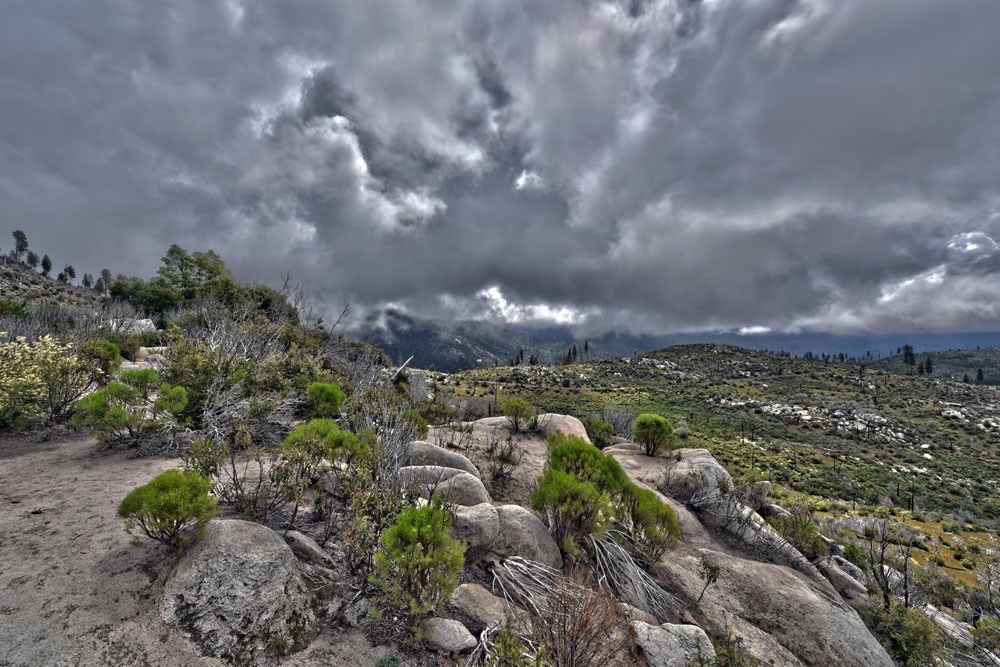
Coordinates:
[72,589]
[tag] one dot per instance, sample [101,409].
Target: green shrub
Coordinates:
[128,343]
[653,432]
[517,411]
[12,309]
[174,508]
[419,423]
[417,564]
[650,524]
[103,356]
[322,439]
[390,659]
[573,455]
[143,380]
[575,509]
[601,433]
[123,412]
[325,399]
[799,528]
[908,636]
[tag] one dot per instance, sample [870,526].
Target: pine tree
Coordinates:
[928,366]
[46,265]
[100,288]
[20,243]
[920,368]
[33,259]
[980,377]
[88,280]
[70,272]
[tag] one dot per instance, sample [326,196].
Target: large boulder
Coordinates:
[782,616]
[456,486]
[307,550]
[550,423]
[671,645]
[849,588]
[478,526]
[444,634]
[238,595]
[694,473]
[425,454]
[479,605]
[523,534]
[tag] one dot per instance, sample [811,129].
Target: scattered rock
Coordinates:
[478,526]
[239,596]
[450,484]
[357,611]
[523,534]
[425,454]
[306,549]
[444,634]
[474,601]
[671,645]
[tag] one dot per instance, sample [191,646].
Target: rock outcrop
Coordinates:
[550,423]
[523,534]
[456,486]
[671,645]
[238,595]
[478,526]
[482,607]
[426,454]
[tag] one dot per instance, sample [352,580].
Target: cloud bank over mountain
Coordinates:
[658,165]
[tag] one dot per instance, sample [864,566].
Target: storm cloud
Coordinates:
[657,165]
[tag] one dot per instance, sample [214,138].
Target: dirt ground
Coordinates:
[72,589]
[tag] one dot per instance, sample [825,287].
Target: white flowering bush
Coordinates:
[20,380]
[41,377]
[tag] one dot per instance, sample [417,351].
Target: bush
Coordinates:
[128,343]
[103,356]
[653,432]
[799,528]
[908,636]
[322,439]
[517,411]
[575,509]
[123,412]
[650,524]
[390,659]
[573,455]
[419,423]
[418,563]
[12,309]
[40,377]
[601,433]
[174,508]
[325,399]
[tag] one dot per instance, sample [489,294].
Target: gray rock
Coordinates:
[238,595]
[850,568]
[453,485]
[550,423]
[444,634]
[783,617]
[306,549]
[694,472]
[949,626]
[848,587]
[770,510]
[132,326]
[474,601]
[671,645]
[626,447]
[478,526]
[357,611]
[523,534]
[425,454]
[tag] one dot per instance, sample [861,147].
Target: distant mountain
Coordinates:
[463,345]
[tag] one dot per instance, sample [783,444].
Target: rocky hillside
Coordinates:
[22,285]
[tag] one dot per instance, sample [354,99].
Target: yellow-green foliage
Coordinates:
[125,411]
[174,508]
[585,492]
[40,377]
[908,636]
[417,564]
[325,398]
[517,411]
[653,432]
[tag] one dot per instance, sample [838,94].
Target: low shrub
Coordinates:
[653,432]
[417,564]
[103,356]
[174,509]
[601,433]
[908,636]
[419,423]
[650,524]
[325,399]
[517,411]
[575,509]
[126,411]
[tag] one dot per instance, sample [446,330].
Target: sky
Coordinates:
[653,165]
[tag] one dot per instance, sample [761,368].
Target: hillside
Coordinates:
[22,285]
[824,429]
[951,364]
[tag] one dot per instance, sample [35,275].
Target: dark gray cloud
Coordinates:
[658,165]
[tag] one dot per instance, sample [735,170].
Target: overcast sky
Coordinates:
[660,165]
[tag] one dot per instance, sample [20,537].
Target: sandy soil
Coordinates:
[72,589]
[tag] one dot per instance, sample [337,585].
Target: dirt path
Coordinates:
[72,589]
